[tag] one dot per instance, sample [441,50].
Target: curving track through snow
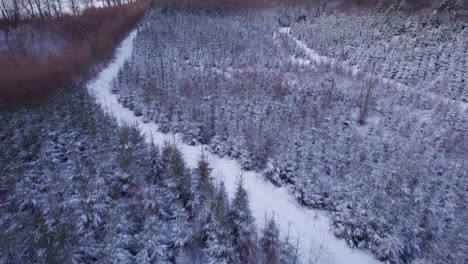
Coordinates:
[311,226]
[313,57]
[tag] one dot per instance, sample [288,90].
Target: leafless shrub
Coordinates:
[318,254]
[26,76]
[365,97]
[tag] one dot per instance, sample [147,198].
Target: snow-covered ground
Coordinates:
[311,226]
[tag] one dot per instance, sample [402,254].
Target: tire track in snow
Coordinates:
[311,226]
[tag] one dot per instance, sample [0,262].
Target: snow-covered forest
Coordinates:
[320,131]
[75,188]
[362,115]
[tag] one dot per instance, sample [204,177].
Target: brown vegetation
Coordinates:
[89,37]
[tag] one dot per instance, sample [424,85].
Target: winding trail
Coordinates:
[353,71]
[311,226]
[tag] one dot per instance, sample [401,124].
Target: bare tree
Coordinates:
[28,8]
[56,6]
[60,6]
[5,13]
[89,3]
[38,5]
[318,7]
[74,6]
[48,6]
[365,97]
[11,10]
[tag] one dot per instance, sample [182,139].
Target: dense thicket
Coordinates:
[384,148]
[37,58]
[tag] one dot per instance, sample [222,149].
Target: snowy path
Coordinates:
[355,71]
[316,58]
[312,226]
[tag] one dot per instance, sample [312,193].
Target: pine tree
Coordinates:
[219,247]
[155,164]
[179,180]
[205,184]
[243,227]
[203,198]
[270,242]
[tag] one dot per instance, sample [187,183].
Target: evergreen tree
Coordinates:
[270,242]
[243,227]
[219,247]
[203,198]
[176,173]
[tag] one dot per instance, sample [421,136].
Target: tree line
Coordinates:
[13,11]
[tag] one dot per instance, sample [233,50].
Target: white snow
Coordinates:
[312,226]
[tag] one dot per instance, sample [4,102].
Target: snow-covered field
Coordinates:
[311,227]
